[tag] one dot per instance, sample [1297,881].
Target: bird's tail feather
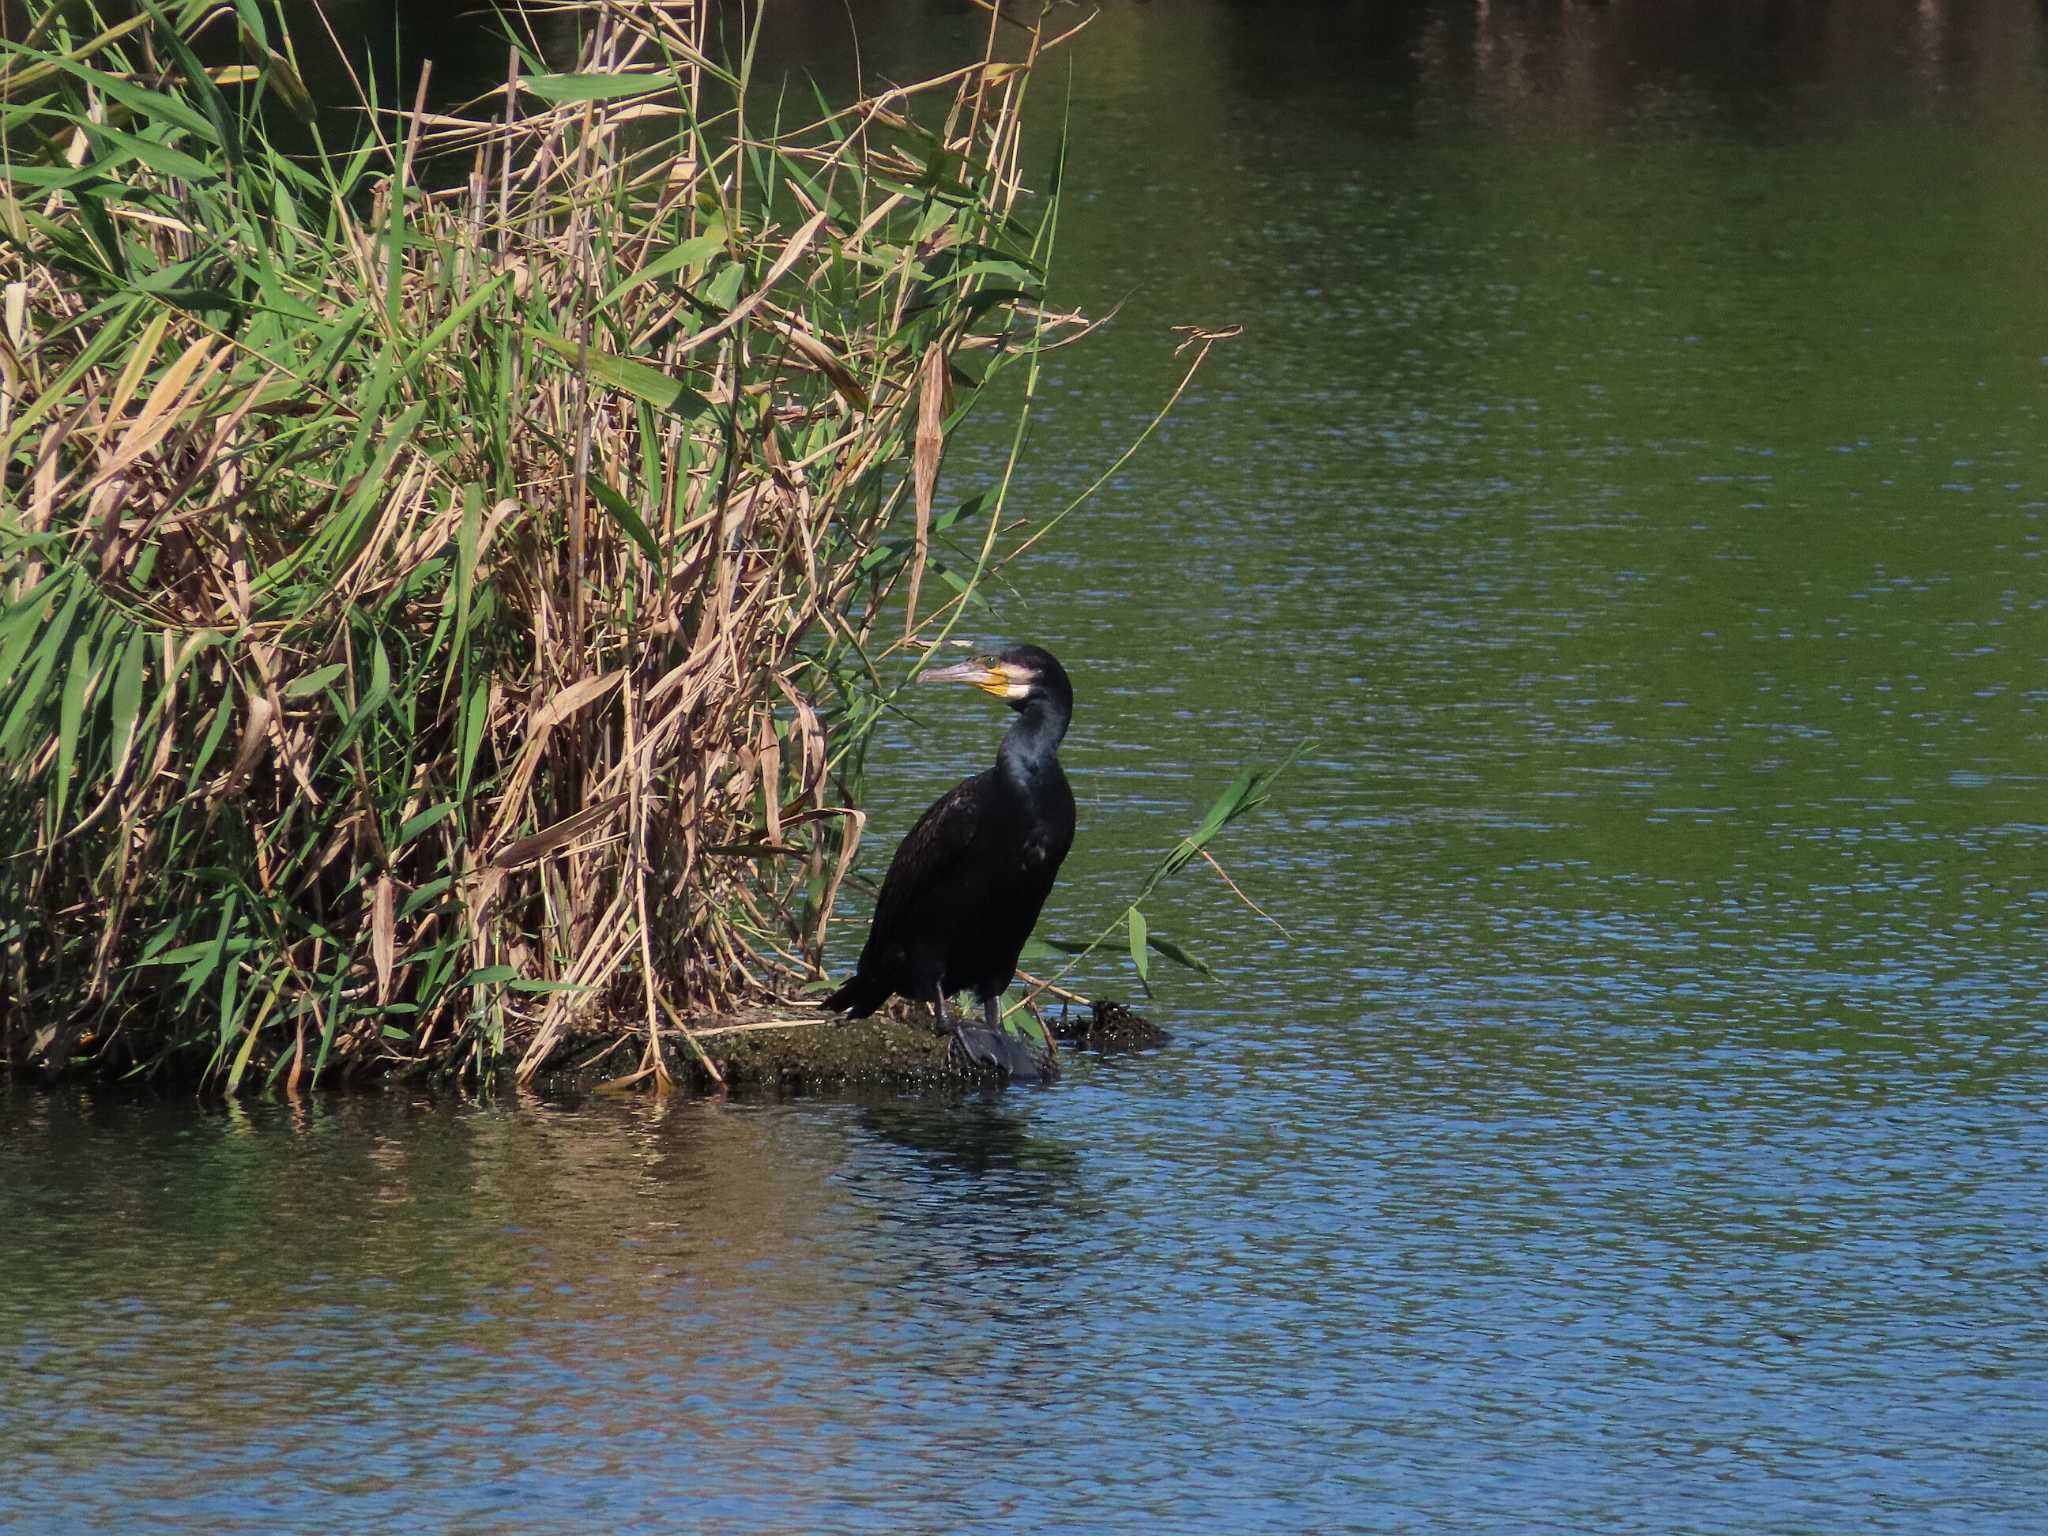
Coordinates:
[858,998]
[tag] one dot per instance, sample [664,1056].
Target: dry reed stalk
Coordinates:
[438,612]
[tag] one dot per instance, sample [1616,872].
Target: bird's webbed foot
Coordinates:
[1016,1059]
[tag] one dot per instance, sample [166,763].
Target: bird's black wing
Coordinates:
[942,840]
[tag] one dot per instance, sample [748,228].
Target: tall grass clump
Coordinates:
[441,567]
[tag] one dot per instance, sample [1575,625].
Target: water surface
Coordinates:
[1632,477]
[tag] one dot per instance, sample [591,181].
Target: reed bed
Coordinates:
[444,572]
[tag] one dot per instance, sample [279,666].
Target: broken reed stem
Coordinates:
[690,1037]
[1039,987]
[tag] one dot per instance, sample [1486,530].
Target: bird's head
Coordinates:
[1021,674]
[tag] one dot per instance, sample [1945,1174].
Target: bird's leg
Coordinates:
[940,1022]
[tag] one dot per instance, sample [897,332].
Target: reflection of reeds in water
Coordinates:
[435,615]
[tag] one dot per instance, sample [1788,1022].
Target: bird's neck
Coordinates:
[1031,746]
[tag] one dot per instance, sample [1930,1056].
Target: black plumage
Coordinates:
[967,883]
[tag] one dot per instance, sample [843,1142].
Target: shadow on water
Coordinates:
[385,45]
[976,1136]
[1402,55]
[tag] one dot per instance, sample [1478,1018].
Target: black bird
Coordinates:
[967,883]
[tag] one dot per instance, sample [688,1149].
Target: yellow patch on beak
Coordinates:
[1005,681]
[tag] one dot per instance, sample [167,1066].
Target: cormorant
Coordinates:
[967,883]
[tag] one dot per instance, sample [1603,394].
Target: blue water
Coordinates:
[1541,1280]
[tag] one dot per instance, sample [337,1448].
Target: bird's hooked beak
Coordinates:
[999,678]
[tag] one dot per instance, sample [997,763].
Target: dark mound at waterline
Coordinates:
[1108,1025]
[875,1052]
[785,1052]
